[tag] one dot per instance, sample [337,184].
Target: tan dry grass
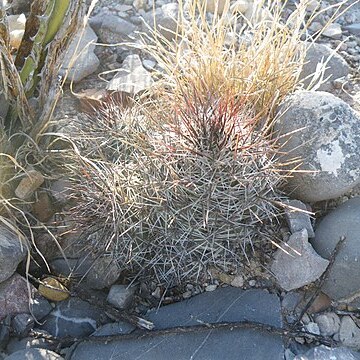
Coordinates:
[259,59]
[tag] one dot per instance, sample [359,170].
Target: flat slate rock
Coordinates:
[222,305]
[34,354]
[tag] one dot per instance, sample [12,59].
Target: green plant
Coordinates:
[30,85]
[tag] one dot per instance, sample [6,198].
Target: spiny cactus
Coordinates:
[172,193]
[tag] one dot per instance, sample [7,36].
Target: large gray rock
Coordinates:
[34,354]
[13,250]
[86,61]
[297,264]
[336,66]
[222,305]
[324,132]
[342,284]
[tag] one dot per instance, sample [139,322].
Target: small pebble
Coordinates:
[211,287]
[313,328]
[252,283]
[187,294]
[238,281]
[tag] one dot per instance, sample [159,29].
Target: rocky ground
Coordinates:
[305,306]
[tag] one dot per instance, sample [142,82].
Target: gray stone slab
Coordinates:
[208,345]
[34,354]
[222,305]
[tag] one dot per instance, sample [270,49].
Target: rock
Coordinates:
[149,64]
[341,284]
[324,132]
[353,29]
[211,287]
[321,303]
[300,266]
[121,296]
[95,273]
[253,305]
[5,332]
[16,344]
[349,333]
[43,208]
[86,62]
[132,77]
[290,301]
[316,26]
[112,29]
[312,5]
[140,4]
[222,305]
[298,219]
[73,317]
[28,184]
[22,324]
[240,6]
[13,250]
[165,18]
[216,6]
[237,281]
[333,31]
[14,296]
[312,328]
[34,354]
[53,290]
[323,352]
[336,66]
[114,329]
[256,13]
[329,323]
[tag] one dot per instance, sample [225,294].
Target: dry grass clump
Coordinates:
[258,57]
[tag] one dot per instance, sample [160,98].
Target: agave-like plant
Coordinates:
[30,85]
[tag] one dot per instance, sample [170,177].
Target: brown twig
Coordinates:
[142,334]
